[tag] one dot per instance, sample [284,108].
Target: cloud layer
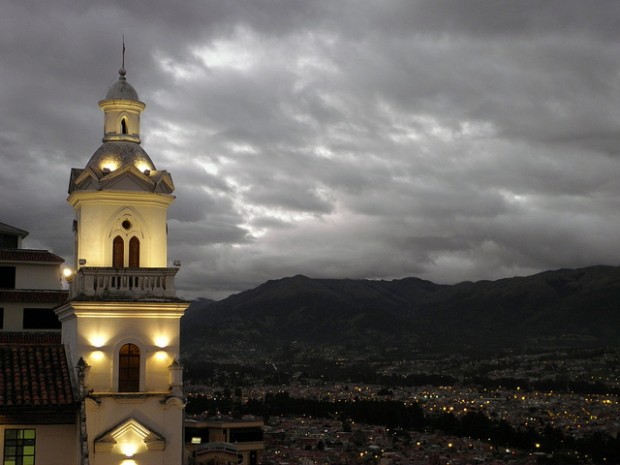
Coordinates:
[364,139]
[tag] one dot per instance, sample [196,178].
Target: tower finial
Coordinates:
[122,72]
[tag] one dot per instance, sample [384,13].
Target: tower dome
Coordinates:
[117,154]
[121,151]
[122,90]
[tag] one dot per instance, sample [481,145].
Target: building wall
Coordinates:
[55,444]
[37,276]
[14,314]
[101,215]
[98,336]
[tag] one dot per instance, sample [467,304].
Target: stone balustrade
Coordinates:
[124,282]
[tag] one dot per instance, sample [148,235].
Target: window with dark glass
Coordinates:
[129,368]
[8,241]
[7,277]
[246,434]
[134,252]
[118,252]
[123,126]
[40,318]
[19,446]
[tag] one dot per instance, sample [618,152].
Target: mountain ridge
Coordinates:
[560,307]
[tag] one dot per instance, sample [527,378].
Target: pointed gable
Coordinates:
[163,182]
[129,438]
[84,180]
[127,178]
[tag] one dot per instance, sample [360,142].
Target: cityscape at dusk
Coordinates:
[309,233]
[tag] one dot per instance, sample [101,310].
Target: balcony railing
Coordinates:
[124,282]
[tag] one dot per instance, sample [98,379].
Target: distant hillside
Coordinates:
[563,308]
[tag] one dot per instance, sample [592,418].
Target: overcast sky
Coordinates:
[451,141]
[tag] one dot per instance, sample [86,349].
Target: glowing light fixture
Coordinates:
[109,165]
[68,274]
[97,355]
[129,449]
[162,341]
[144,168]
[161,355]
[97,341]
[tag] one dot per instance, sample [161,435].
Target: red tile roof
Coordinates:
[34,376]
[33,296]
[29,255]
[30,338]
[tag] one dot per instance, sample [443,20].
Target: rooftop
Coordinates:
[33,296]
[12,230]
[34,376]
[29,255]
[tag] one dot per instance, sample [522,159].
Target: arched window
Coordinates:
[124,126]
[134,252]
[129,368]
[118,252]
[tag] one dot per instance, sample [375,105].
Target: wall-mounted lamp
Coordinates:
[68,274]
[176,263]
[129,449]
[82,261]
[97,341]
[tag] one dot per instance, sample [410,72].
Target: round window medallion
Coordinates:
[126,224]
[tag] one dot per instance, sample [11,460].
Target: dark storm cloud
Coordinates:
[445,139]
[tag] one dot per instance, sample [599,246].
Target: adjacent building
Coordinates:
[30,284]
[38,405]
[223,441]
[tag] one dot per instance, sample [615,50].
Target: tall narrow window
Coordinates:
[123,126]
[134,252]
[19,446]
[118,252]
[7,277]
[129,368]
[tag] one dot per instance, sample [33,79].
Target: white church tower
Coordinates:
[121,323]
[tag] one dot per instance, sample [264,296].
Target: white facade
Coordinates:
[103,215]
[29,275]
[31,279]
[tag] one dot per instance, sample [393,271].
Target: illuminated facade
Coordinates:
[120,325]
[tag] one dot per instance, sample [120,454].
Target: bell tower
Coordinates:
[121,323]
